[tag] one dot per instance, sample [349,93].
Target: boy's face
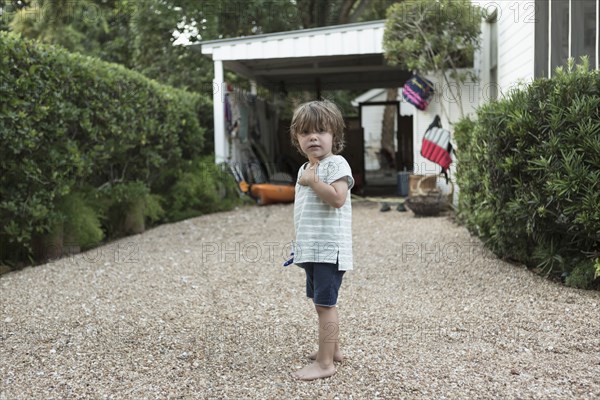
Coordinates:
[316,143]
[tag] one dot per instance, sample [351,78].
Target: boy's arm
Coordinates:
[334,194]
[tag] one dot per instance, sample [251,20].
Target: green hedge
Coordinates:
[529,174]
[76,131]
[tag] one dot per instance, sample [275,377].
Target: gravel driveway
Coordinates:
[202,309]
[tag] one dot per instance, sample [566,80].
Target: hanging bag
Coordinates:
[417,91]
[436,145]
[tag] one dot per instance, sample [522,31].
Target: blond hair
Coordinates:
[319,114]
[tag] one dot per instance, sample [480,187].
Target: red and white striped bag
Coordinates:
[436,145]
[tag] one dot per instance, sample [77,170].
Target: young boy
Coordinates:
[323,222]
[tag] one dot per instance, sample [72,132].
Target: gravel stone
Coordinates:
[203,309]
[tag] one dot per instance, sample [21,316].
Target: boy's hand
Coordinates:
[309,176]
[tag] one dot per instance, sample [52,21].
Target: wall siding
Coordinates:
[516,44]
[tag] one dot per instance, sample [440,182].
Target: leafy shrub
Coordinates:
[200,188]
[529,173]
[126,207]
[81,224]
[584,275]
[68,121]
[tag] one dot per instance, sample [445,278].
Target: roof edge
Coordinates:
[297,32]
[366,96]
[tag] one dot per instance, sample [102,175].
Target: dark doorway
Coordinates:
[404,155]
[354,151]
[383,178]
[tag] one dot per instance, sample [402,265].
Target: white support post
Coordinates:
[253,87]
[571,30]
[549,39]
[597,32]
[219,87]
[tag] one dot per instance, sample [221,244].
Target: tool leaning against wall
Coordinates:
[250,127]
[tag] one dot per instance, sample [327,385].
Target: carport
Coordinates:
[329,58]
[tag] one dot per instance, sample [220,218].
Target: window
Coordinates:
[559,49]
[493,57]
[563,29]
[583,22]
[542,43]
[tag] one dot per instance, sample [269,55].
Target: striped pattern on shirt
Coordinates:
[323,232]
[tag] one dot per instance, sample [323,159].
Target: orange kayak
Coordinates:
[269,193]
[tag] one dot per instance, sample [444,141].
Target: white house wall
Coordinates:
[471,99]
[515,64]
[515,41]
[422,119]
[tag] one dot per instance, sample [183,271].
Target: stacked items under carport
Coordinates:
[251,125]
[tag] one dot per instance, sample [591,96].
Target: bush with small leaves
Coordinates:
[529,173]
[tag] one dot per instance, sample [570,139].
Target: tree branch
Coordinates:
[437,55]
[344,16]
[359,10]
[459,83]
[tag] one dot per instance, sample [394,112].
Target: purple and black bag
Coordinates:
[417,91]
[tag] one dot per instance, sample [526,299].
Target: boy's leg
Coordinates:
[329,330]
[323,366]
[337,353]
[327,281]
[310,293]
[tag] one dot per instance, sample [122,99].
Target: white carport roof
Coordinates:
[335,57]
[340,56]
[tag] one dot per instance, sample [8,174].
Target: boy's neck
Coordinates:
[312,160]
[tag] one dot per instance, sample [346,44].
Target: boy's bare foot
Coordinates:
[314,371]
[337,356]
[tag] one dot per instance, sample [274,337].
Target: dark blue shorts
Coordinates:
[323,281]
